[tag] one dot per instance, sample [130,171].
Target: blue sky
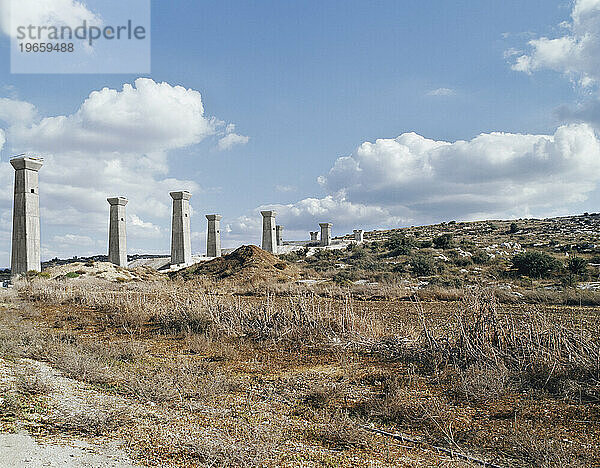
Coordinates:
[309,82]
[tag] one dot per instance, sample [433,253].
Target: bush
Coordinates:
[577,266]
[399,244]
[72,274]
[345,277]
[422,265]
[444,241]
[513,228]
[535,264]
[481,257]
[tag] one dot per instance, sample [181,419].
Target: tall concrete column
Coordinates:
[314,236]
[117,232]
[359,235]
[26,216]
[181,239]
[269,235]
[325,234]
[213,239]
[279,235]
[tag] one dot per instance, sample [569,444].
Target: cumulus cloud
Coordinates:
[414,180]
[44,13]
[2,139]
[147,117]
[232,139]
[141,228]
[576,53]
[303,216]
[441,92]
[116,143]
[495,173]
[13,111]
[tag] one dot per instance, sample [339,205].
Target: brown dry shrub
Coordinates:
[528,350]
[175,308]
[90,418]
[338,431]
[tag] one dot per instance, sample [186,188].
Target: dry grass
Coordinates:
[175,308]
[468,376]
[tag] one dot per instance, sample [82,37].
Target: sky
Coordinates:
[368,115]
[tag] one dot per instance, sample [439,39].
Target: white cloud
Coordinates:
[499,174]
[441,92]
[285,188]
[43,13]
[116,143]
[140,228]
[73,240]
[414,180]
[232,139]
[576,54]
[148,117]
[2,139]
[13,111]
[305,215]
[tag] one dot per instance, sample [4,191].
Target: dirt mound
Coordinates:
[245,264]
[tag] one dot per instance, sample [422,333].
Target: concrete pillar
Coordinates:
[325,234]
[269,235]
[117,232]
[26,216]
[213,239]
[359,235]
[279,235]
[314,236]
[181,239]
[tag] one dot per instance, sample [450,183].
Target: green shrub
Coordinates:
[535,264]
[444,241]
[576,269]
[399,244]
[345,277]
[72,274]
[423,265]
[577,266]
[480,257]
[292,257]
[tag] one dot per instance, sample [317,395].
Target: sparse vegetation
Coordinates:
[232,364]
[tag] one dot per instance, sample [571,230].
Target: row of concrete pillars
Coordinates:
[26,225]
[181,239]
[272,233]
